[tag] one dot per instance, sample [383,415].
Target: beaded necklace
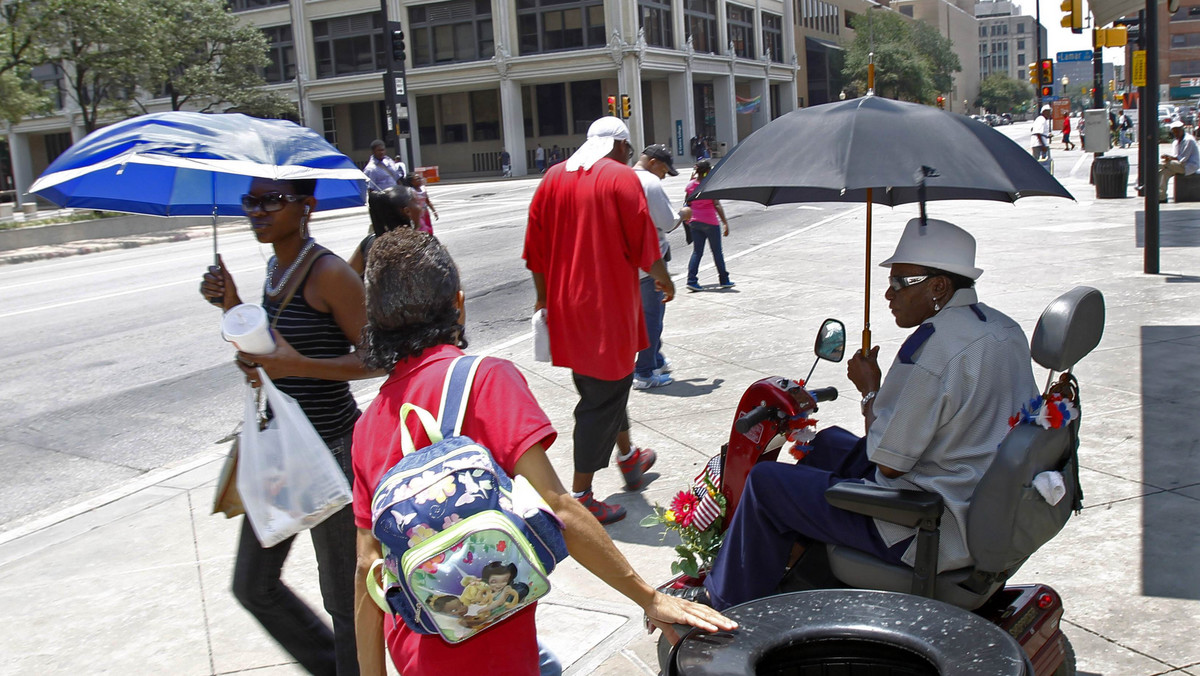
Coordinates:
[273,290]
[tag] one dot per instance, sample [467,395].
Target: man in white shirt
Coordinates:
[1040,137]
[1184,160]
[383,171]
[933,424]
[654,164]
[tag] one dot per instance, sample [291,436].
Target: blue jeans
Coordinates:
[289,620]
[783,504]
[700,233]
[654,310]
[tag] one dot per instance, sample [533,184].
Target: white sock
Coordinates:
[580,494]
[623,458]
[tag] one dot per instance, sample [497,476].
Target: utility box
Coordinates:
[1097,137]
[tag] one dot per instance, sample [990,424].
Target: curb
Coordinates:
[90,246]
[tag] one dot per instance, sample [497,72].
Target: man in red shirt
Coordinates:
[589,232]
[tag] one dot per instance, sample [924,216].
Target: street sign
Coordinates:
[399,86]
[1081,55]
[1138,68]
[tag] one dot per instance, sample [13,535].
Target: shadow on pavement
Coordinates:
[687,388]
[1177,227]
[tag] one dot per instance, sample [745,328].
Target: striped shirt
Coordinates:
[328,403]
[943,410]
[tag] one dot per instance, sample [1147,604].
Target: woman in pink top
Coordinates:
[705,214]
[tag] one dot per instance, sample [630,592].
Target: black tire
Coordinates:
[1067,668]
[856,631]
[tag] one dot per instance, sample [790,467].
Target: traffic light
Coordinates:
[941,101]
[1073,18]
[612,106]
[1033,74]
[397,43]
[1116,36]
[1047,92]
[625,106]
[1112,87]
[1047,72]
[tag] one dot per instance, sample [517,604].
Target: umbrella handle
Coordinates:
[866,335]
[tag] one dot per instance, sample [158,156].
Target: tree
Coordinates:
[1002,94]
[20,95]
[206,60]
[912,61]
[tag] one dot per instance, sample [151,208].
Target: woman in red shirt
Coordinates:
[414,331]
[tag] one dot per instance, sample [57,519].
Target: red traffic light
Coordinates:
[612,105]
[1047,92]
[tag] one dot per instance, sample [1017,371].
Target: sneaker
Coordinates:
[604,512]
[694,287]
[665,368]
[727,285]
[635,466]
[655,380]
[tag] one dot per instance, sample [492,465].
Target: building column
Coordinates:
[22,165]
[310,113]
[413,127]
[629,82]
[683,109]
[725,102]
[512,123]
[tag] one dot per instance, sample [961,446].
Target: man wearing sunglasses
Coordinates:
[933,424]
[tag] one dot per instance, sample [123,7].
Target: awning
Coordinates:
[818,42]
[1108,11]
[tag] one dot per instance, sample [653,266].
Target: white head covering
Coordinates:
[1177,124]
[600,139]
[937,244]
[1044,109]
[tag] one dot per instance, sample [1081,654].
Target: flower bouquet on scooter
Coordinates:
[697,515]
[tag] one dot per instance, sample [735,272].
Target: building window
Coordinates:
[485,115]
[982,31]
[700,19]
[243,5]
[1185,68]
[1185,40]
[451,32]
[50,77]
[1020,59]
[654,18]
[1020,28]
[281,50]
[907,11]
[739,22]
[349,44]
[56,144]
[773,36]
[329,124]
[551,109]
[556,25]
[819,15]
[1020,44]
[1186,14]
[586,104]
[426,121]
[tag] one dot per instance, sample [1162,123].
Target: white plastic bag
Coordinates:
[288,479]
[541,336]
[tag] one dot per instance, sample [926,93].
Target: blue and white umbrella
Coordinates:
[195,164]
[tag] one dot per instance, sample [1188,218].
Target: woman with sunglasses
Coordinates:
[933,424]
[315,303]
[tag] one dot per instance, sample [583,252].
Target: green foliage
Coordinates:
[999,93]
[913,62]
[697,548]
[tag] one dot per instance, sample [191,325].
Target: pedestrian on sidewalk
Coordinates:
[383,171]
[316,305]
[652,369]
[1184,159]
[589,232]
[424,224]
[539,158]
[1040,135]
[705,214]
[505,163]
[389,209]
[1124,126]
[415,331]
[1066,132]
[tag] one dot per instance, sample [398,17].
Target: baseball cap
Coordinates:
[659,152]
[1044,109]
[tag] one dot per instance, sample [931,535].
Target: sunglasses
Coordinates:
[268,202]
[898,283]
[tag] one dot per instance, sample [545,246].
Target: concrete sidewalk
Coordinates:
[137,582]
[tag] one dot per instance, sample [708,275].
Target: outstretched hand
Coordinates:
[665,611]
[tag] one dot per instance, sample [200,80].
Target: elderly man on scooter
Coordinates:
[933,424]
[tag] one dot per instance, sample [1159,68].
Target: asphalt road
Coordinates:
[113,365]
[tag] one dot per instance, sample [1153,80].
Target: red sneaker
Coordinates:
[635,466]
[604,512]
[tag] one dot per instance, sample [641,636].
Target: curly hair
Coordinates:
[412,293]
[386,208]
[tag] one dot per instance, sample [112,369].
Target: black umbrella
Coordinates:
[881,151]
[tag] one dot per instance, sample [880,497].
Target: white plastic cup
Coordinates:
[246,326]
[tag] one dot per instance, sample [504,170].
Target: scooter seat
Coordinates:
[864,571]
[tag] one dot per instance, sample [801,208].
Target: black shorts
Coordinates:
[599,416]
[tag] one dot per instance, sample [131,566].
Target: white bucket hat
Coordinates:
[937,244]
[600,139]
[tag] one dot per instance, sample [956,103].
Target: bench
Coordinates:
[1187,188]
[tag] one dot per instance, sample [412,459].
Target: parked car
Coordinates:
[993,120]
[1167,113]
[1005,118]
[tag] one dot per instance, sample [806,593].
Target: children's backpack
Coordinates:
[464,546]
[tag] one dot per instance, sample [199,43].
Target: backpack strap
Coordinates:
[455,391]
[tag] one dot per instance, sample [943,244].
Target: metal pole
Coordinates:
[1037,39]
[1149,119]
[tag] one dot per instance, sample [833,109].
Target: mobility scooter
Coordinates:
[1007,520]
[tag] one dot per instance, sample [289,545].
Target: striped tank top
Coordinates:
[328,403]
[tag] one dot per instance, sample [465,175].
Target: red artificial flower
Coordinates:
[684,507]
[501,546]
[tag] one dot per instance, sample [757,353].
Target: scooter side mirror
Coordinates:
[831,341]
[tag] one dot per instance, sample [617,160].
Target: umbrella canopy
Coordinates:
[194,164]
[837,151]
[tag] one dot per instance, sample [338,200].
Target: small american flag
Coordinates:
[708,509]
[706,512]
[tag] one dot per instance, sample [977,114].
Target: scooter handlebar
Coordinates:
[824,394]
[752,417]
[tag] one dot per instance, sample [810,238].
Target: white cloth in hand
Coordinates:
[1051,487]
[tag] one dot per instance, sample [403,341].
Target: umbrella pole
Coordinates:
[866,334]
[216,257]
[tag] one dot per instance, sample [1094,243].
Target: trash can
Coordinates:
[1111,176]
